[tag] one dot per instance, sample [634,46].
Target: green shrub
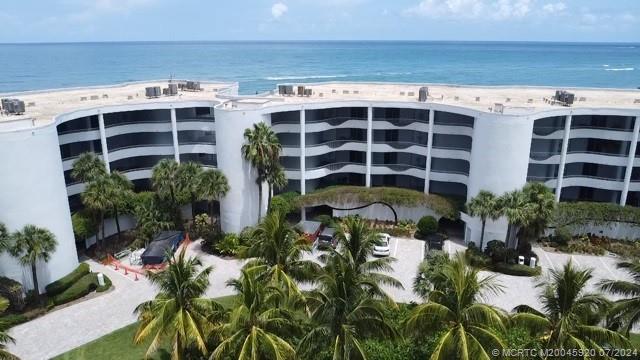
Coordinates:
[562,236]
[12,291]
[84,224]
[476,258]
[229,245]
[516,269]
[81,288]
[427,270]
[284,203]
[11,320]
[68,280]
[427,225]
[497,251]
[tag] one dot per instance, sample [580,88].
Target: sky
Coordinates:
[177,20]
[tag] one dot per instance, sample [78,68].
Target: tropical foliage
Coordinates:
[179,313]
[570,316]
[4,337]
[626,311]
[470,328]
[391,195]
[485,206]
[32,245]
[262,150]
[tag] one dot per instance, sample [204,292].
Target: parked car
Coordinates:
[327,239]
[382,248]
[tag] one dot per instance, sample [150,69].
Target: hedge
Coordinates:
[394,196]
[14,292]
[584,213]
[82,287]
[62,284]
[427,225]
[516,269]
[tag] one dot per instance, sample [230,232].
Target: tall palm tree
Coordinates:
[121,191]
[485,206]
[262,150]
[519,212]
[4,337]
[213,186]
[179,312]
[256,328]
[543,203]
[189,176]
[277,245]
[32,245]
[150,220]
[470,328]
[567,320]
[346,307]
[276,179]
[98,196]
[165,181]
[627,309]
[88,167]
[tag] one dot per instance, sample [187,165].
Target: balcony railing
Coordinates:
[400,144]
[164,121]
[402,122]
[334,120]
[335,166]
[400,167]
[333,144]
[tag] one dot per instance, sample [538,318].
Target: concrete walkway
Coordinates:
[65,329]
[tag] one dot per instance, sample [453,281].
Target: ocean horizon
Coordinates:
[260,65]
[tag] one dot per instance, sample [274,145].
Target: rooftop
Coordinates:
[43,106]
[515,99]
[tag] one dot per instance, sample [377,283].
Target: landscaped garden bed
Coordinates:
[590,244]
[74,286]
[496,257]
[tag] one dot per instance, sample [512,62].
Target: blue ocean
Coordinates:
[259,66]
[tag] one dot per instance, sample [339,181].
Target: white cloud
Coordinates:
[278,9]
[472,9]
[553,8]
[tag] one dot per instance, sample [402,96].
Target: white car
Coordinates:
[382,249]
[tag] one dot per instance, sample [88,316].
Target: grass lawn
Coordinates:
[635,340]
[119,344]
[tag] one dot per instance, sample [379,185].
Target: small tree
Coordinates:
[98,196]
[4,337]
[189,177]
[484,206]
[519,211]
[121,191]
[4,238]
[427,225]
[213,186]
[165,181]
[31,245]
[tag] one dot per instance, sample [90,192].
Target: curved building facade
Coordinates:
[460,140]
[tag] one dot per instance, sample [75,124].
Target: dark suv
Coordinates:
[327,239]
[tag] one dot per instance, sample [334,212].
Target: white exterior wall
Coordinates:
[34,192]
[499,163]
[240,207]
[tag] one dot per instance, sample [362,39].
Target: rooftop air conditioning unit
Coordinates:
[498,108]
[307,92]
[152,91]
[282,90]
[289,90]
[172,90]
[564,97]
[13,106]
[423,93]
[300,90]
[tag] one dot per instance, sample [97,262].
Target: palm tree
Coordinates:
[98,196]
[150,220]
[189,175]
[121,191]
[567,320]
[627,309]
[213,186]
[179,312]
[485,206]
[256,328]
[346,307]
[276,179]
[277,245]
[4,337]
[470,327]
[543,203]
[165,181]
[88,167]
[518,210]
[4,238]
[31,245]
[262,149]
